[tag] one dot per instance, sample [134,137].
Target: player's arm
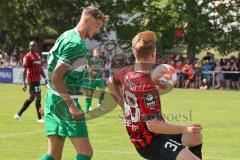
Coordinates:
[57,77]
[115,91]
[160,127]
[24,87]
[43,75]
[26,64]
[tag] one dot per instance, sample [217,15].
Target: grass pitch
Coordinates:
[217,111]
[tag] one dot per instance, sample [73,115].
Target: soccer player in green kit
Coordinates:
[63,114]
[94,78]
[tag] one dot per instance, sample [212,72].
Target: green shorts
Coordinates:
[58,119]
[93,84]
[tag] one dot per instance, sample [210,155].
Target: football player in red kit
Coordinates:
[33,71]
[134,90]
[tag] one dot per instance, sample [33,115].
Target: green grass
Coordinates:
[218,111]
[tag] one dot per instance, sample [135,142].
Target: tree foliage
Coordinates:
[206,23]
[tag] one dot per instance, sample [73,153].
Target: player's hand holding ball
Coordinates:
[165,77]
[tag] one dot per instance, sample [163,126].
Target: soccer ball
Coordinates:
[165,77]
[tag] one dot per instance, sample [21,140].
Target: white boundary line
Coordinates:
[7,135]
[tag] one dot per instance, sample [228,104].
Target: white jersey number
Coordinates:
[131,103]
[171,144]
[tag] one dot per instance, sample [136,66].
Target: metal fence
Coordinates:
[214,73]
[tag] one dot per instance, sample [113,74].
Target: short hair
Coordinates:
[32,42]
[95,13]
[143,44]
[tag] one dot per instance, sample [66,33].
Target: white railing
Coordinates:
[213,74]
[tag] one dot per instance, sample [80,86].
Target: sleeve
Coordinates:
[117,77]
[26,61]
[70,53]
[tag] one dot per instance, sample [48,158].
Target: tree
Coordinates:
[205,23]
[23,20]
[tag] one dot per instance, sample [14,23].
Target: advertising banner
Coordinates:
[6,75]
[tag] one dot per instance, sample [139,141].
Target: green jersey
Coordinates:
[97,66]
[70,50]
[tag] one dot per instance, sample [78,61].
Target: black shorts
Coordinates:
[163,147]
[34,87]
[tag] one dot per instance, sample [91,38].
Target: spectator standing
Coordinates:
[235,76]
[227,76]
[180,74]
[218,75]
[206,68]
[198,73]
[188,74]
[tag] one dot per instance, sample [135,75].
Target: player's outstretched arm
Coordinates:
[161,127]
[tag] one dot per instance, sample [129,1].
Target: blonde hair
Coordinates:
[143,44]
[95,13]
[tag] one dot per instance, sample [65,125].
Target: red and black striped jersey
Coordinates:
[32,62]
[141,103]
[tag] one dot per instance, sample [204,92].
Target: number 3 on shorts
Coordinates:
[171,145]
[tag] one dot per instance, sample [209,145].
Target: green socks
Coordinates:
[78,157]
[88,102]
[101,98]
[47,157]
[82,157]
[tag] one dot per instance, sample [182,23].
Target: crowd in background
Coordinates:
[207,72]
[11,58]
[199,74]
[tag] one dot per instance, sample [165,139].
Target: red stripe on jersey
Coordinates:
[33,65]
[34,77]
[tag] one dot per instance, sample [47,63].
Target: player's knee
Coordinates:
[38,97]
[192,140]
[31,98]
[197,140]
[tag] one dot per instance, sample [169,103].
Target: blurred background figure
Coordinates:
[204,85]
